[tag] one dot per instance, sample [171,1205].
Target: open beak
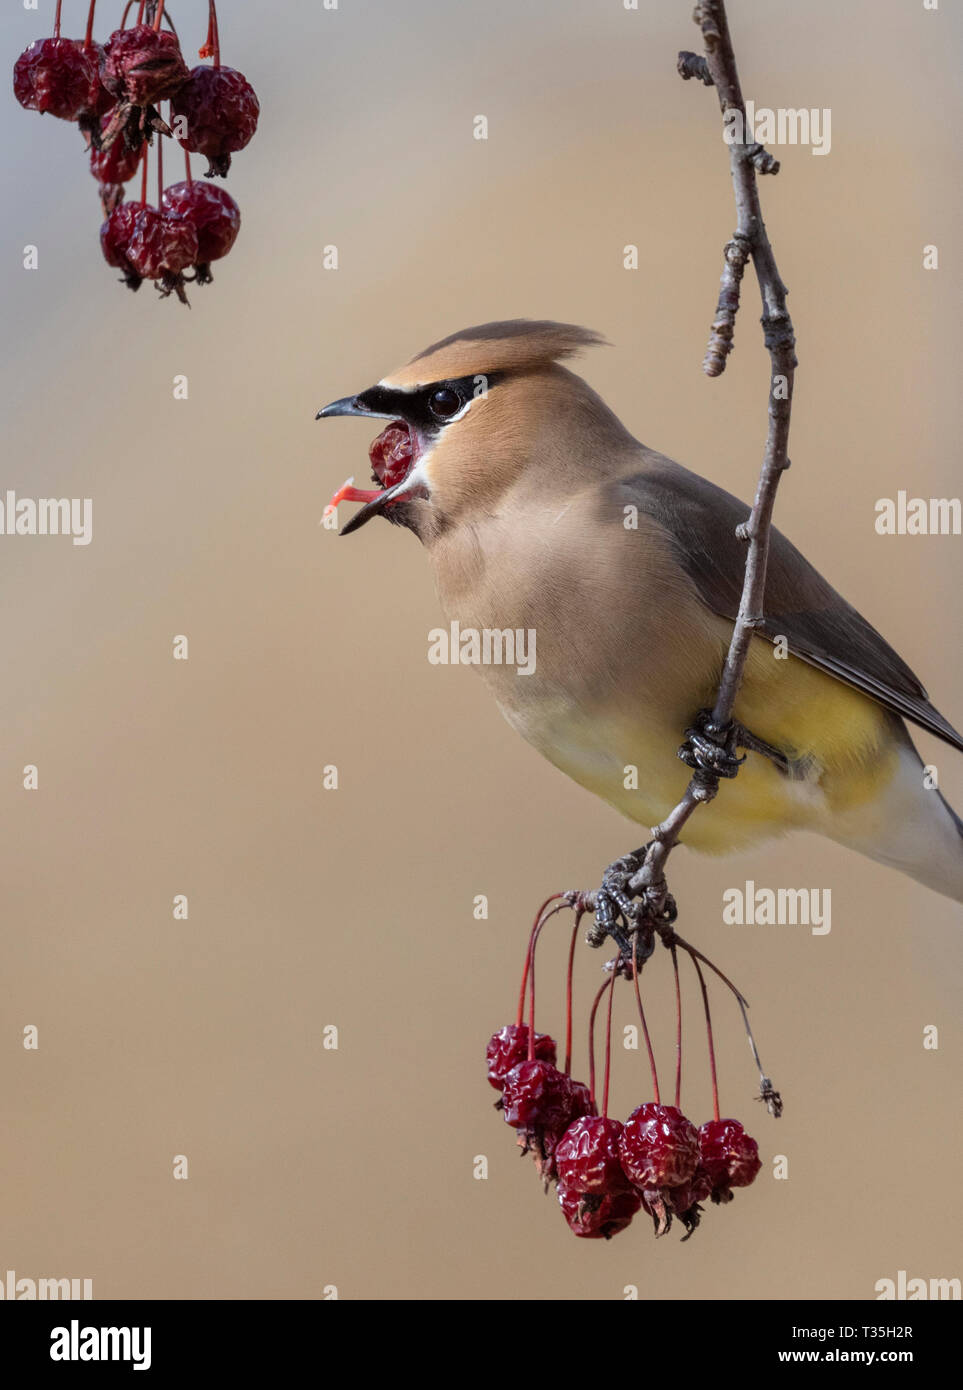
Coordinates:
[386,463]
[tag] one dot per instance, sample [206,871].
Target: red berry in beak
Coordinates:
[221,110]
[509,1046]
[587,1157]
[391,454]
[659,1147]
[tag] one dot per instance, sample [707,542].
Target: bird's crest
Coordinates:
[512,345]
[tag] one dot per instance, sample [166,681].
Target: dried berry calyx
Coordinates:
[141,67]
[509,1046]
[659,1147]
[220,109]
[216,218]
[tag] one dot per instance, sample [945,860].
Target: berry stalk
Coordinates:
[678,1030]
[608,1051]
[57,19]
[712,1051]
[212,44]
[568,994]
[607,984]
[160,174]
[89,35]
[645,1030]
[533,936]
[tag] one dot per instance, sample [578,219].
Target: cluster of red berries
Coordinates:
[114,93]
[607,1171]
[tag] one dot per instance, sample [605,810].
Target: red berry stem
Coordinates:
[678,1030]
[771,1097]
[143,178]
[216,34]
[712,1051]
[531,938]
[57,20]
[89,36]
[607,984]
[608,1051]
[212,44]
[536,933]
[645,1030]
[160,174]
[158,17]
[187,165]
[568,993]
[140,12]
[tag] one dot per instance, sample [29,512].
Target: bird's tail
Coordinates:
[910,827]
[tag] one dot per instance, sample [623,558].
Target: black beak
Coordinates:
[375,507]
[352,405]
[370,509]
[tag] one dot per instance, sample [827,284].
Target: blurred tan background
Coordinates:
[354,1168]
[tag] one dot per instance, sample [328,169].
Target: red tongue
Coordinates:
[391,454]
[347,492]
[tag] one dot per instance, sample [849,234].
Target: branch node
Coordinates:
[761,160]
[694,65]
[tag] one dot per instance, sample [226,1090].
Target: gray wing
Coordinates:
[817,622]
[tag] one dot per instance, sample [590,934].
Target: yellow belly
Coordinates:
[841,741]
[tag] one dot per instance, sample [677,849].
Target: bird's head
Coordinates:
[466,417]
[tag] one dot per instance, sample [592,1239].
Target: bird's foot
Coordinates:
[711,750]
[629,913]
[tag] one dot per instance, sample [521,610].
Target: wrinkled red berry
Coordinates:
[729,1155]
[509,1045]
[596,1217]
[659,1147]
[216,218]
[56,77]
[115,235]
[143,66]
[221,110]
[149,245]
[536,1095]
[582,1103]
[391,454]
[587,1156]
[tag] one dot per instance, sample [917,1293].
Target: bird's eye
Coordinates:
[444,402]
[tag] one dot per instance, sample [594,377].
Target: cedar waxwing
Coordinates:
[540,512]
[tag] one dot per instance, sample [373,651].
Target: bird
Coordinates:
[540,513]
